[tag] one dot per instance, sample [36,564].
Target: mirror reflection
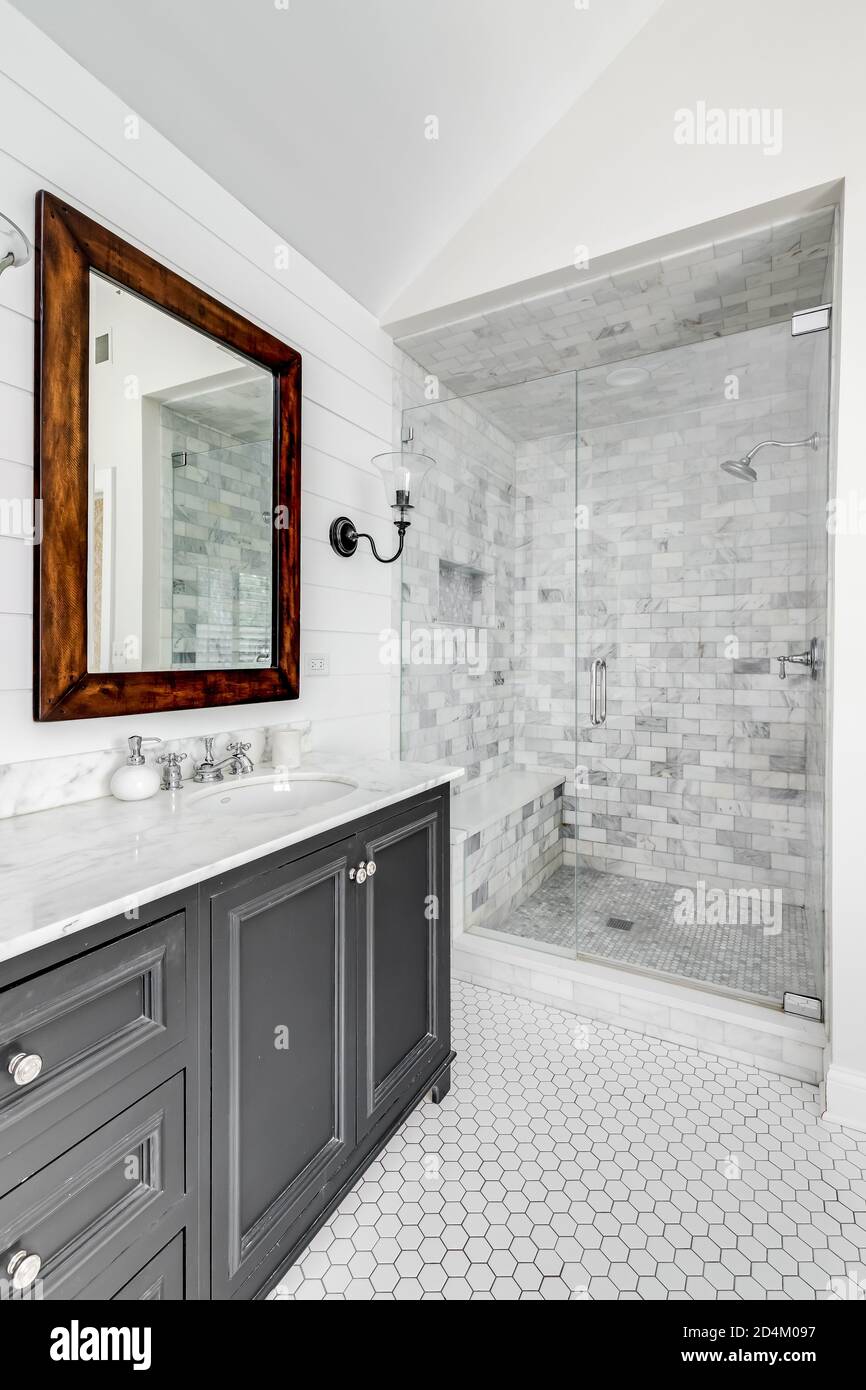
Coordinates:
[181,494]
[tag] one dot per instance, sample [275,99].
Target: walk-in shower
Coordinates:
[605,613]
[613,609]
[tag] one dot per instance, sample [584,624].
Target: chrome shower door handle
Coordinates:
[598,692]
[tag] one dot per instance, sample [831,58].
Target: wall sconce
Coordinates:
[402,475]
[15,249]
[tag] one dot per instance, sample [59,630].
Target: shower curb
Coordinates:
[754,1034]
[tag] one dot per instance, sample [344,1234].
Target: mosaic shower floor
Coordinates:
[578,1160]
[748,959]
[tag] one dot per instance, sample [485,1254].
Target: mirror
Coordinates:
[167,468]
[181,489]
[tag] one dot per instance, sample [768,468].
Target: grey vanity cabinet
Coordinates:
[185,1096]
[282,1050]
[403,996]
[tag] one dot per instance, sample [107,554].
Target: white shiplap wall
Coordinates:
[63,131]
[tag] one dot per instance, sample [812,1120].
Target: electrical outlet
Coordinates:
[316,665]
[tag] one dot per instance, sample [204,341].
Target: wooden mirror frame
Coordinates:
[68,246]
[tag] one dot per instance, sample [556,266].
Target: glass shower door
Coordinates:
[487,649]
[700,774]
[615,672]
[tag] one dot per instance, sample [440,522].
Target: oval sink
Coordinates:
[282,795]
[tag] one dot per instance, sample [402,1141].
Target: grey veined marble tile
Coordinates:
[748,957]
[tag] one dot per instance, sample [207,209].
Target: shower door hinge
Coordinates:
[407,434]
[810,320]
[804,1005]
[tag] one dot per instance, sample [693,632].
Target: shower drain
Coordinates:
[620,923]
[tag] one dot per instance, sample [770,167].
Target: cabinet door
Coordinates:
[404,1025]
[283,1053]
[162,1278]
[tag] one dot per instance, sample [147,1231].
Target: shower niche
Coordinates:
[466,596]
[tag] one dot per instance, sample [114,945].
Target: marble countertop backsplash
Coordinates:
[48,782]
[66,868]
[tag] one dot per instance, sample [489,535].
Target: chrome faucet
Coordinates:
[239,765]
[172,776]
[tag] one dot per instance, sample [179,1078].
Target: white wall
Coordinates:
[610,176]
[61,130]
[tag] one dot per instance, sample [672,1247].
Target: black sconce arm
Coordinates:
[383,559]
[344,539]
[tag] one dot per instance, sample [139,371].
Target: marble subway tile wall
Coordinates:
[457,603]
[690,583]
[506,862]
[216,553]
[544,660]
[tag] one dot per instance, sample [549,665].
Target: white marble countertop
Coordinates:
[64,869]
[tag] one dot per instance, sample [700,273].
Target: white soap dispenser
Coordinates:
[135,780]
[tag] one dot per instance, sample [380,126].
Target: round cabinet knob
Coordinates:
[371,868]
[23,1269]
[24,1067]
[361,874]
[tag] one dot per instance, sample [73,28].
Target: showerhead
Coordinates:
[740,468]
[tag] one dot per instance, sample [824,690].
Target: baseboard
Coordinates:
[846,1097]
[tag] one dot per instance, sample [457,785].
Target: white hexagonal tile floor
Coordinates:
[577,1160]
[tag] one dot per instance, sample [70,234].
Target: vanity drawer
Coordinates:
[81,1212]
[87,1024]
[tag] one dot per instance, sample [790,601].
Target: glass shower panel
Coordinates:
[487,644]
[780,584]
[700,803]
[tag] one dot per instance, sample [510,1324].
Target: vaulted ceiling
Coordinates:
[365,132]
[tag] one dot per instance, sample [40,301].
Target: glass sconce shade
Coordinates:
[402,475]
